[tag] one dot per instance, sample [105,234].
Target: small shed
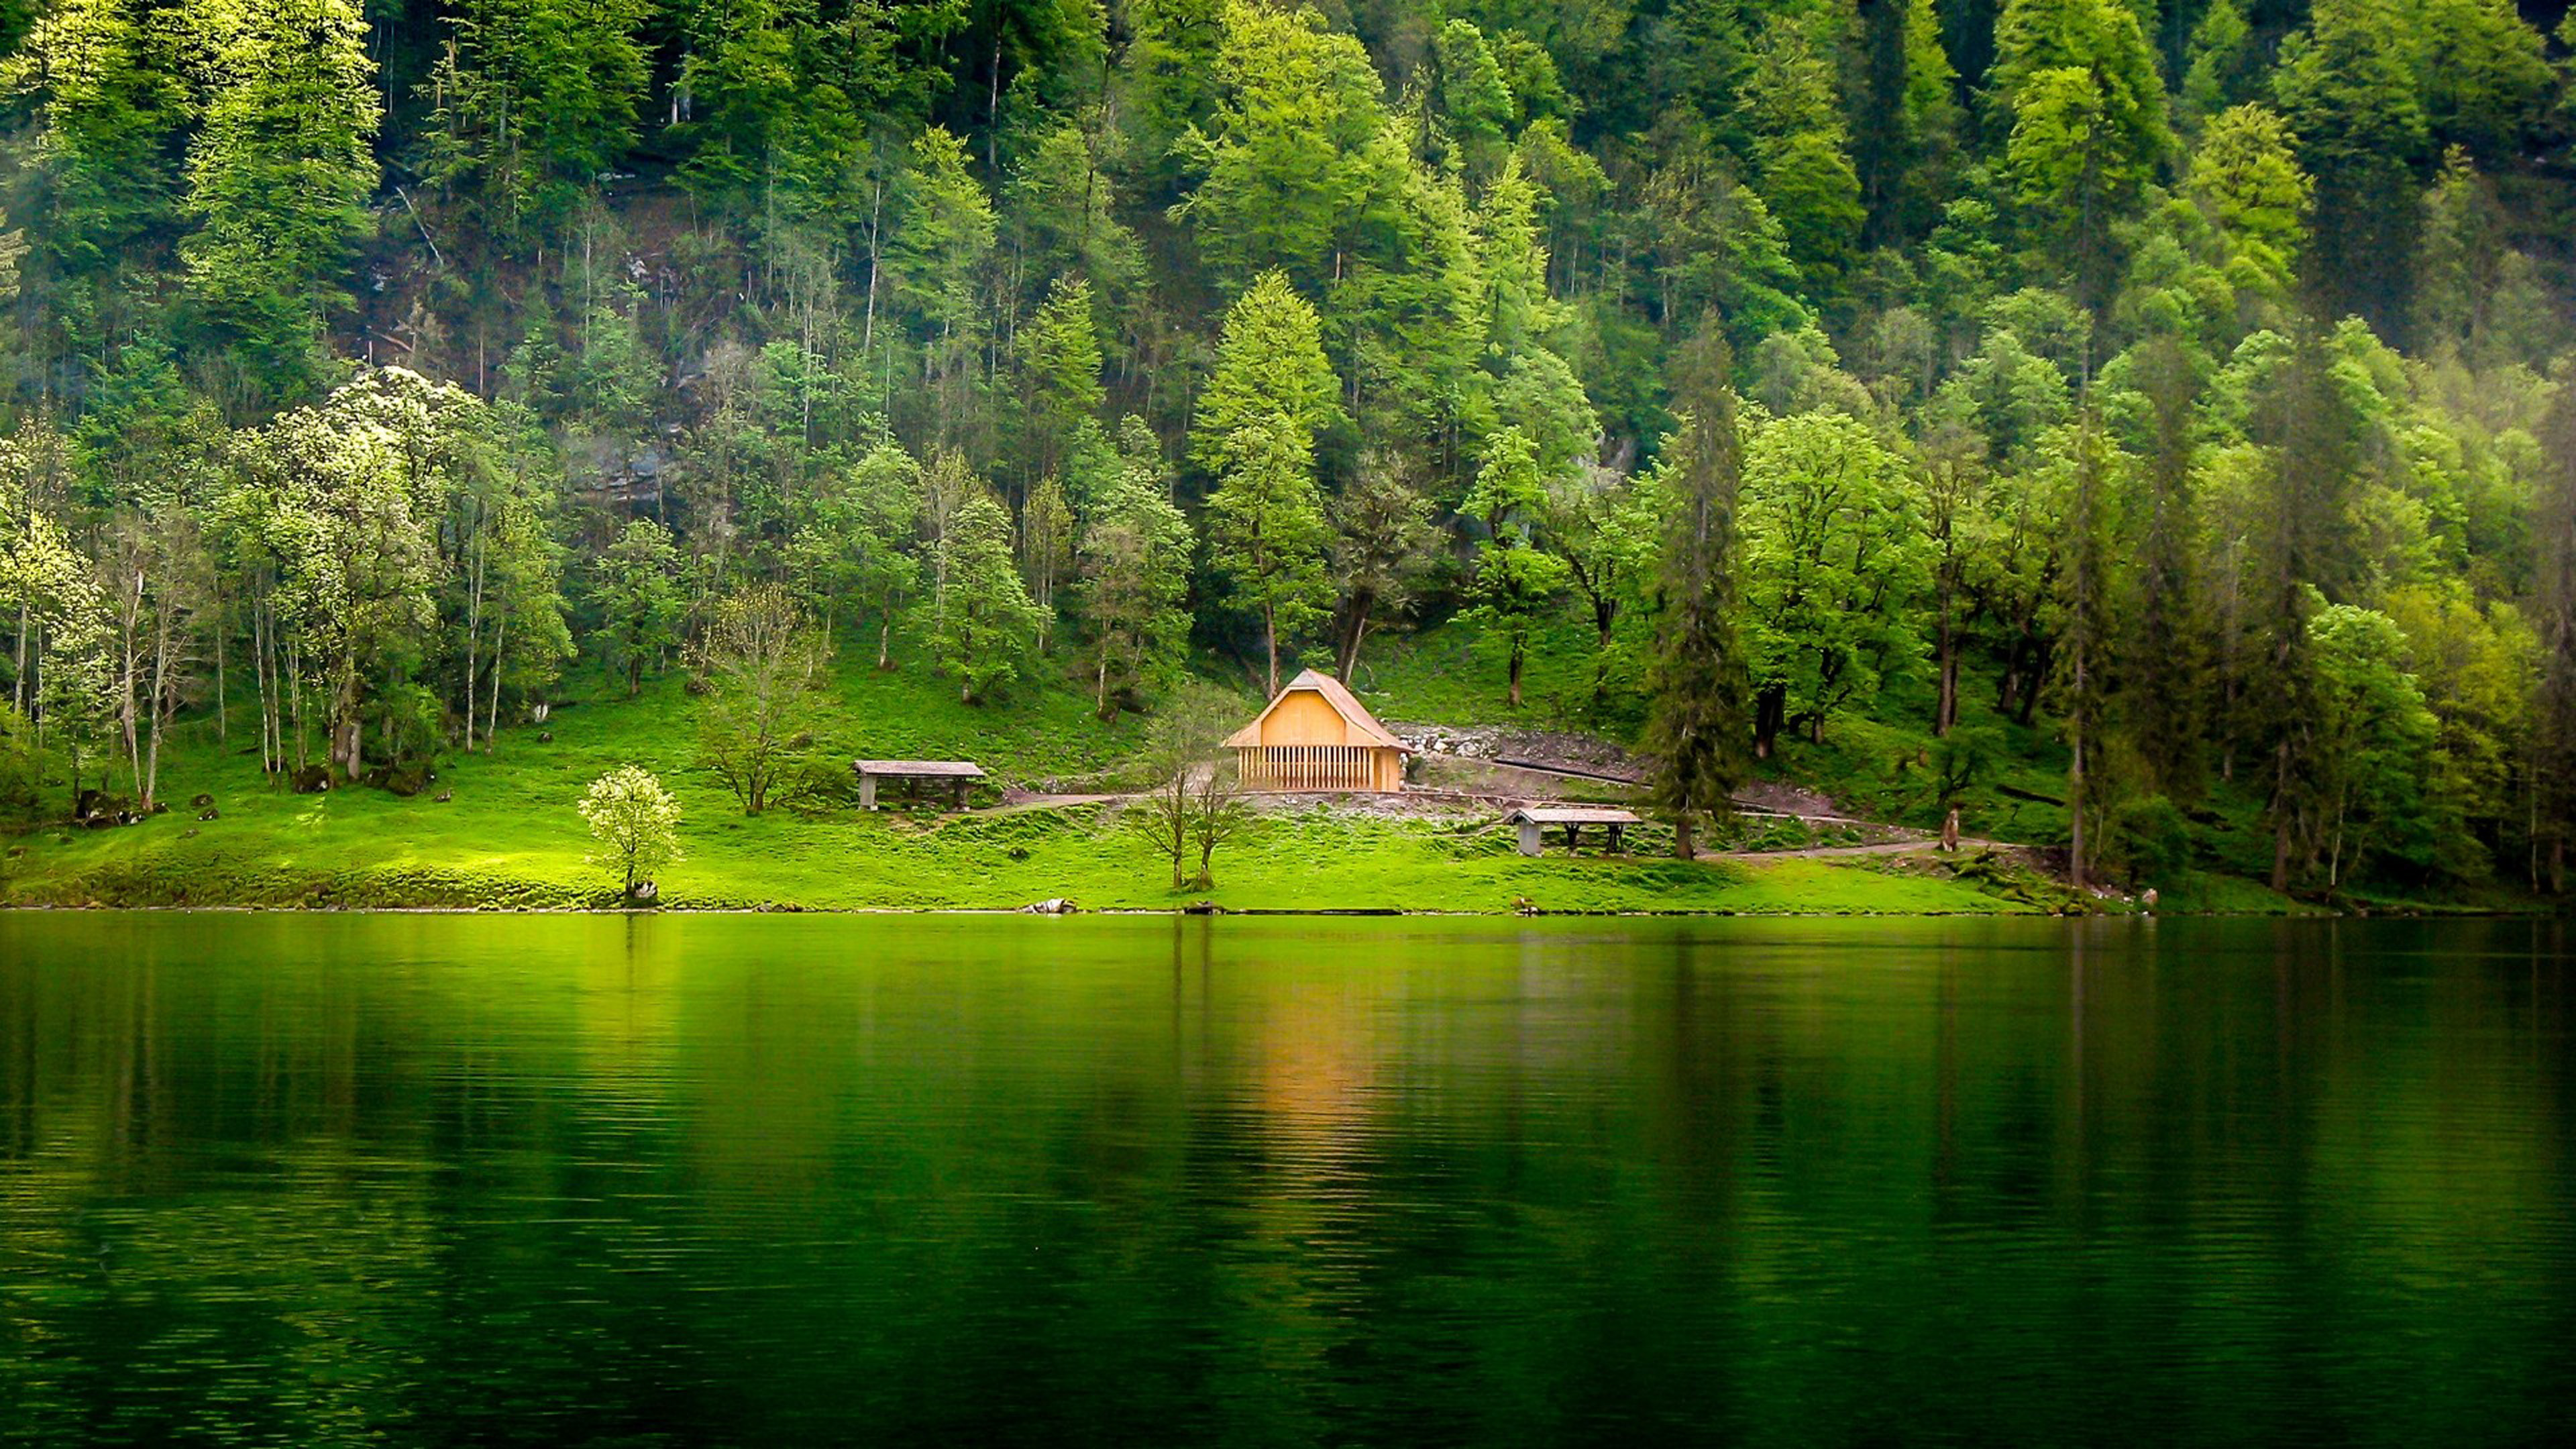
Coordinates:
[1316,736]
[1534,820]
[913,775]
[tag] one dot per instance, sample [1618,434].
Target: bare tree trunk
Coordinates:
[1346,663]
[2281,816]
[473,638]
[1270,641]
[295,699]
[223,705]
[492,710]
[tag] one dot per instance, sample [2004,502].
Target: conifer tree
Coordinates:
[1266,532]
[1696,729]
[102,102]
[2349,90]
[278,176]
[2553,729]
[989,630]
[1270,368]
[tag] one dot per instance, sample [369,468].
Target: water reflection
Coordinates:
[273,1180]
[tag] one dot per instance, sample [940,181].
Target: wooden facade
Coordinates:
[1316,737]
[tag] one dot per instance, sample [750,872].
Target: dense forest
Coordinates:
[2185,380]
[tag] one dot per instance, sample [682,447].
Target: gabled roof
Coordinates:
[921,769]
[1364,728]
[1572,815]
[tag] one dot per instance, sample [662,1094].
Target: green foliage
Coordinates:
[1297,156]
[759,655]
[989,630]
[1266,533]
[1700,673]
[532,101]
[636,823]
[278,176]
[636,591]
[1135,561]
[2374,749]
[1831,557]
[1270,375]
[2058,432]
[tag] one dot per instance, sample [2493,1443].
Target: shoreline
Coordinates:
[2314,913]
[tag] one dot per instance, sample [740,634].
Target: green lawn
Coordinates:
[509,837]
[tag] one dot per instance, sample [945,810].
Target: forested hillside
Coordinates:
[2174,393]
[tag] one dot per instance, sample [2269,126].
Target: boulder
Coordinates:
[312,780]
[208,814]
[646,893]
[445,795]
[1051,906]
[545,737]
[200,802]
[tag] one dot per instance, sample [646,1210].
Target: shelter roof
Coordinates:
[1572,815]
[1363,725]
[921,769]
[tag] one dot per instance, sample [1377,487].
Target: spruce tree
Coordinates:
[1696,728]
[2553,619]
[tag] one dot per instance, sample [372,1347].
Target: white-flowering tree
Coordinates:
[636,823]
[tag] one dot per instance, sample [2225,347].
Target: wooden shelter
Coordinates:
[957,775]
[1533,821]
[1316,736]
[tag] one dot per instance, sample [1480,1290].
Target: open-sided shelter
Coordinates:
[1316,736]
[957,775]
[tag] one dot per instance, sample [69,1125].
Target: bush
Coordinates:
[22,767]
[2149,840]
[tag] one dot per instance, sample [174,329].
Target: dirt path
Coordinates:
[1845,852]
[1033,802]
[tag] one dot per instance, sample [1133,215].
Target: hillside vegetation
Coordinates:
[2143,426]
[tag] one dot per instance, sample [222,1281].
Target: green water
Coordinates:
[776,1180]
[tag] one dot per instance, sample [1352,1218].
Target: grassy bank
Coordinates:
[509,838]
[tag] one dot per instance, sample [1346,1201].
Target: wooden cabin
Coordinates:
[1316,737]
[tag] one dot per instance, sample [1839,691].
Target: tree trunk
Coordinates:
[473,641]
[1355,622]
[1770,706]
[492,719]
[223,711]
[1270,642]
[2281,817]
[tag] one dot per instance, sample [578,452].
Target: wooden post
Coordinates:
[1532,842]
[867,791]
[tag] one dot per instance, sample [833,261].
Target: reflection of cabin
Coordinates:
[1315,736]
[957,775]
[1534,820]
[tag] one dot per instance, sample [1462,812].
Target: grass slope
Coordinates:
[510,837]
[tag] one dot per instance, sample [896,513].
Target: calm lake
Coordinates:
[794,1180]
